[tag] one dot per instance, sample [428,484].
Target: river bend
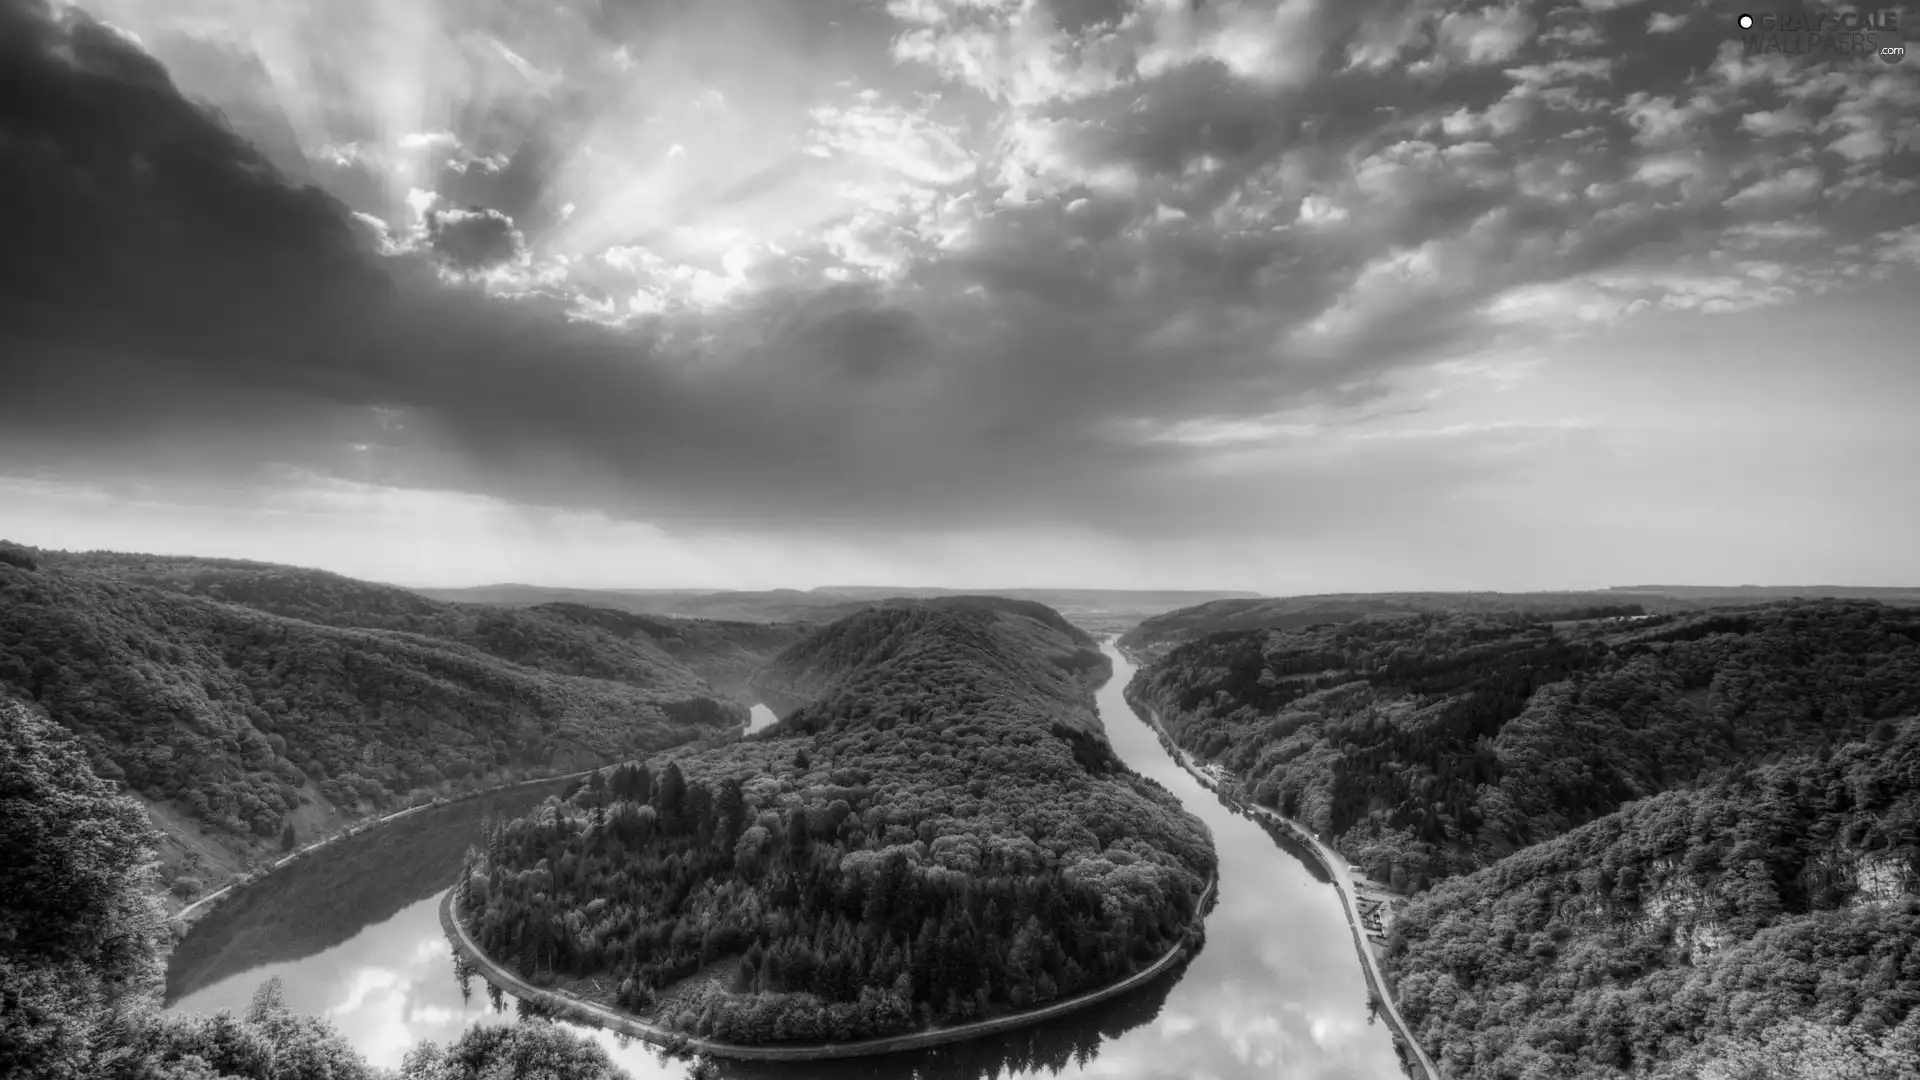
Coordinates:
[1276,992]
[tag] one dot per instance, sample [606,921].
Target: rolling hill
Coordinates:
[241,700]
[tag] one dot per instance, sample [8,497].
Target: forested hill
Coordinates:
[942,833]
[1158,633]
[851,645]
[1764,925]
[1434,744]
[1636,845]
[240,699]
[566,638]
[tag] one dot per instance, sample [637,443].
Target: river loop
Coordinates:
[1276,991]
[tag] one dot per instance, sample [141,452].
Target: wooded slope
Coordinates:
[240,698]
[1767,918]
[1432,745]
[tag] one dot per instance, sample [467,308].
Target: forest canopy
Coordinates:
[942,834]
[1690,928]
[1430,745]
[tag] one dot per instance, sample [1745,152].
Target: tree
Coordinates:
[288,841]
[669,799]
[14,555]
[80,929]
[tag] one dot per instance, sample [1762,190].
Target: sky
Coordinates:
[1292,296]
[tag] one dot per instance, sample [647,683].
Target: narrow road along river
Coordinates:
[1277,992]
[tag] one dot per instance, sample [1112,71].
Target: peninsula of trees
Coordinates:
[251,707]
[941,834]
[1642,846]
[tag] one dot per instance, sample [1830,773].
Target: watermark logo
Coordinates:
[1823,33]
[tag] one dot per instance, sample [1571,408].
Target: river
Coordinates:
[1276,992]
[762,717]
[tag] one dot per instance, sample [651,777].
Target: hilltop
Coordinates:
[811,666]
[940,832]
[250,706]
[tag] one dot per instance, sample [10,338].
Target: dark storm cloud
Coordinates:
[137,220]
[174,291]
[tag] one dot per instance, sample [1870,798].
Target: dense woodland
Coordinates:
[1768,915]
[1431,745]
[944,834]
[239,692]
[648,651]
[1640,846]
[81,943]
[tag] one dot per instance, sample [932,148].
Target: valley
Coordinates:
[1558,835]
[1343,471]
[1301,991]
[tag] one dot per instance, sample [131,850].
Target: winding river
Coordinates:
[1276,992]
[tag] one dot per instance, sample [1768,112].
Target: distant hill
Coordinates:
[1156,634]
[1106,609]
[808,668]
[1753,594]
[238,699]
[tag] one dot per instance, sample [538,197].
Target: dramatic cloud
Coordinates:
[473,240]
[1148,274]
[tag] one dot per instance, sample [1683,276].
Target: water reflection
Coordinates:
[1068,1042]
[1276,992]
[318,902]
[384,988]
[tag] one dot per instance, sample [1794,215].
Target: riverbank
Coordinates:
[1422,1067]
[185,916]
[567,1006]
[190,912]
